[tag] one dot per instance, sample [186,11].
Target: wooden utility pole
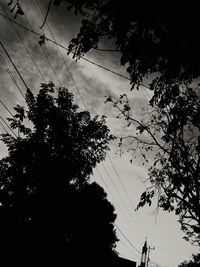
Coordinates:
[144,255]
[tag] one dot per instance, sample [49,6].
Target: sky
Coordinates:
[123,181]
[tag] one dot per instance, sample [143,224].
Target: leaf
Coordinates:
[10,3]
[42,40]
[20,11]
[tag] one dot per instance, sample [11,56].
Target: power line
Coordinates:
[115,223]
[6,108]
[118,192]
[107,187]
[10,74]
[65,48]
[3,128]
[116,189]
[114,199]
[125,191]
[105,68]
[127,247]
[127,239]
[14,68]
[8,126]
[4,105]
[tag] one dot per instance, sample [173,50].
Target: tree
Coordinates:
[153,38]
[45,175]
[169,139]
[192,263]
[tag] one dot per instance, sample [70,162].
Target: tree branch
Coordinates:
[47,13]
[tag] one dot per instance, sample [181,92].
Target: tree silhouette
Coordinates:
[46,200]
[93,225]
[169,140]
[192,263]
[152,37]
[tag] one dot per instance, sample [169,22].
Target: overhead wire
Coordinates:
[10,74]
[3,104]
[110,192]
[22,79]
[130,243]
[8,110]
[129,248]
[3,129]
[117,190]
[8,126]
[9,57]
[126,193]
[127,239]
[117,204]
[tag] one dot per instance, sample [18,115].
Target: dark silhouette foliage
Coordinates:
[169,142]
[195,262]
[159,38]
[49,211]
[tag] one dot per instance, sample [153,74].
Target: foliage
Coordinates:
[17,9]
[91,225]
[192,263]
[152,37]
[44,191]
[170,140]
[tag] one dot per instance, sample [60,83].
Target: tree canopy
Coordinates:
[192,263]
[48,207]
[152,37]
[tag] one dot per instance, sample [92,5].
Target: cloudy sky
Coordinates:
[121,180]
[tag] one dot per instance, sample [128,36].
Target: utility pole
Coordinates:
[144,255]
[148,255]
